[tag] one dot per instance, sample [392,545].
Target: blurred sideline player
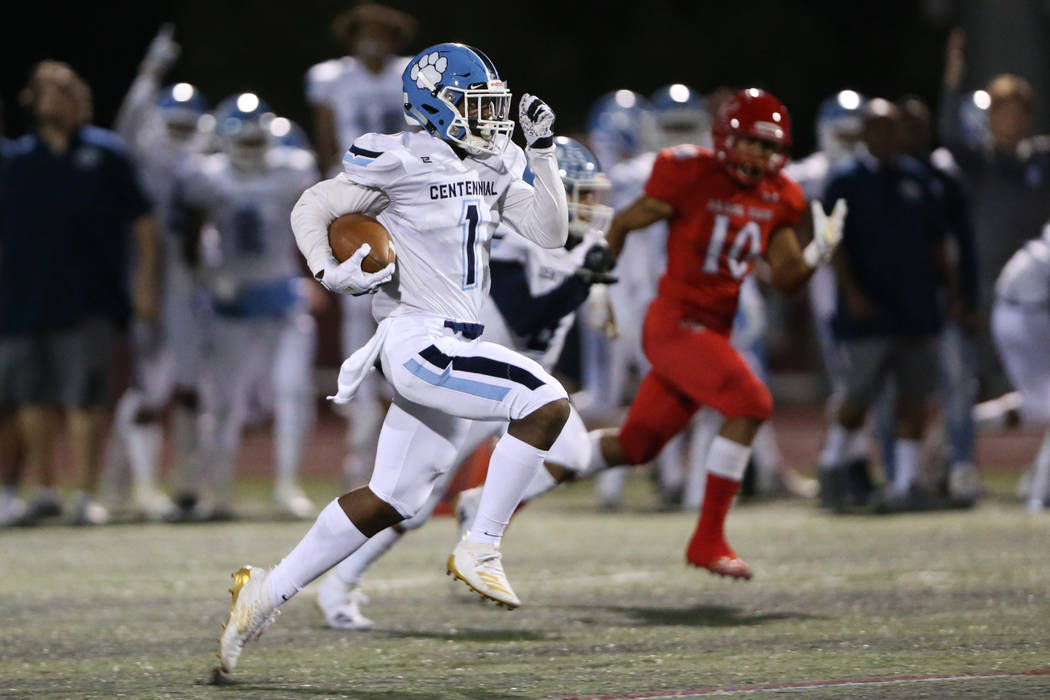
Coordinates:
[622,131]
[358,94]
[232,207]
[958,381]
[839,124]
[440,194]
[1021,329]
[164,128]
[531,306]
[726,207]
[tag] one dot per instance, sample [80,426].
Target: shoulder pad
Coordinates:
[374,160]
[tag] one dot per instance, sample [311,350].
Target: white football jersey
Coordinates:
[1025,278]
[361,101]
[249,211]
[811,173]
[545,269]
[644,254]
[441,215]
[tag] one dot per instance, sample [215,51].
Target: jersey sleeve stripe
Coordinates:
[358,151]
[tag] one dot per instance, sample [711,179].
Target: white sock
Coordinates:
[540,484]
[1040,476]
[293,416]
[185,439]
[906,457]
[332,538]
[669,463]
[597,462]
[837,445]
[351,569]
[513,465]
[143,442]
[728,459]
[706,425]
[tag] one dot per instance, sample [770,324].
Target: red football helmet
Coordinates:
[753,114]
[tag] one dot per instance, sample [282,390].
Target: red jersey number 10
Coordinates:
[745,245]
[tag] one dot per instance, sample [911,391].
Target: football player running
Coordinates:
[725,207]
[531,306]
[232,210]
[440,193]
[165,128]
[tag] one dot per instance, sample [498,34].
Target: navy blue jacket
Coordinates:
[895,223]
[65,223]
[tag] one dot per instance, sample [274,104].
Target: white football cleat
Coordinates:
[340,603]
[292,501]
[250,614]
[964,483]
[466,508]
[12,508]
[480,567]
[153,504]
[88,511]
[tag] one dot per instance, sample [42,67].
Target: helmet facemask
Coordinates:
[246,143]
[586,210]
[480,123]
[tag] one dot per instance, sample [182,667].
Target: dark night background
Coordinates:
[569,53]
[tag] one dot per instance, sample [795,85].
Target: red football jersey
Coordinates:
[718,229]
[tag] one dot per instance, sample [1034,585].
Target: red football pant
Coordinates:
[692,366]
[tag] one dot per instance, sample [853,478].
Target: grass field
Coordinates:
[947,604]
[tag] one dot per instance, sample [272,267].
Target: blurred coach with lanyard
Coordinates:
[69,201]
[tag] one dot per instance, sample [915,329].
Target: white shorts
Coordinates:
[433,365]
[1022,335]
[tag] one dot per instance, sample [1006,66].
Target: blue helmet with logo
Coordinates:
[584,184]
[455,92]
[681,116]
[620,126]
[839,121]
[242,123]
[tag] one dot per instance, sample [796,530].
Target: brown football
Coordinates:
[350,231]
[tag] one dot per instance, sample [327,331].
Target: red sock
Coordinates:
[718,496]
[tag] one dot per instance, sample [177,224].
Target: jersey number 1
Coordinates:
[469,223]
[737,259]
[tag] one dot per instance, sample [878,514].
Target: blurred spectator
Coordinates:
[958,361]
[69,199]
[12,508]
[1008,177]
[891,266]
[350,96]
[361,92]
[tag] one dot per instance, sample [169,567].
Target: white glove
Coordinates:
[536,120]
[827,232]
[348,277]
[162,52]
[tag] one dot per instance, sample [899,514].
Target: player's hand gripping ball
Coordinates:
[364,255]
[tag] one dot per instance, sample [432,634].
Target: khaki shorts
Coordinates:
[68,367]
[871,362]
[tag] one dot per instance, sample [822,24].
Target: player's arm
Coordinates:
[142,96]
[144,292]
[324,134]
[538,212]
[643,212]
[790,265]
[316,209]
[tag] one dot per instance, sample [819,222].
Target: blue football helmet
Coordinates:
[242,123]
[180,108]
[454,91]
[620,126]
[287,133]
[973,117]
[681,116]
[584,184]
[839,121]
